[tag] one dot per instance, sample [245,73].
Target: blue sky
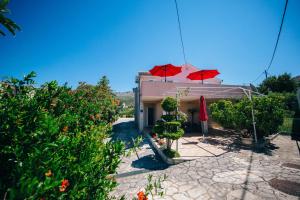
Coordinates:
[72,40]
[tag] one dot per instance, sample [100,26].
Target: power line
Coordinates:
[276,44]
[180,31]
[278,36]
[258,77]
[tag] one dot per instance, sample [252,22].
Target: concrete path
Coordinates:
[142,161]
[234,175]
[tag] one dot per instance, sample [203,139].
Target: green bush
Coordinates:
[172,130]
[128,112]
[159,127]
[223,112]
[169,104]
[287,126]
[268,110]
[170,125]
[269,114]
[53,141]
[168,117]
[171,153]
[182,117]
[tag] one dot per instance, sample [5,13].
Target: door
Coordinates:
[150,116]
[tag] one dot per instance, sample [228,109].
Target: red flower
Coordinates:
[64,184]
[141,196]
[154,135]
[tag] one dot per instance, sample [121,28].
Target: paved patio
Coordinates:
[239,174]
[193,146]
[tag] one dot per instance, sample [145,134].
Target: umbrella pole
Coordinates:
[165,74]
[202,78]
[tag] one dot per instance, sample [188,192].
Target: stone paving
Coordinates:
[192,146]
[234,175]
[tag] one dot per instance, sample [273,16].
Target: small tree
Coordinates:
[169,105]
[281,83]
[268,111]
[170,125]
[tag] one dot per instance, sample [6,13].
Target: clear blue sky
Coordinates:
[75,40]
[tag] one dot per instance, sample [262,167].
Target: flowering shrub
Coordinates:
[53,140]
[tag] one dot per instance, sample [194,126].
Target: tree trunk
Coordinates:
[168,144]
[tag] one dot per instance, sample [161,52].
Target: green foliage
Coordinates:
[171,153]
[281,83]
[182,117]
[159,127]
[172,130]
[168,117]
[169,104]
[52,133]
[170,125]
[268,110]
[128,112]
[223,112]
[287,126]
[11,26]
[154,186]
[269,113]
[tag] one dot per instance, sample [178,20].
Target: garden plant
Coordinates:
[170,127]
[269,113]
[53,140]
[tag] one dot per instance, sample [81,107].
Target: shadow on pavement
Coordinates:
[150,162]
[127,132]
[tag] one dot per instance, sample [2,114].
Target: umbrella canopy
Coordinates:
[165,70]
[203,74]
[203,113]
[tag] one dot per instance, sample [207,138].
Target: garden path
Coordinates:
[144,159]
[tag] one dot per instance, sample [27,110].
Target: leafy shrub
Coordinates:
[170,125]
[128,112]
[287,126]
[53,141]
[159,127]
[182,117]
[223,112]
[268,110]
[171,153]
[172,130]
[168,117]
[269,113]
[169,104]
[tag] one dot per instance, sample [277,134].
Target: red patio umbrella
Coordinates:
[203,113]
[203,74]
[165,70]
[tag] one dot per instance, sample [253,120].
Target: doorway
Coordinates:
[150,116]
